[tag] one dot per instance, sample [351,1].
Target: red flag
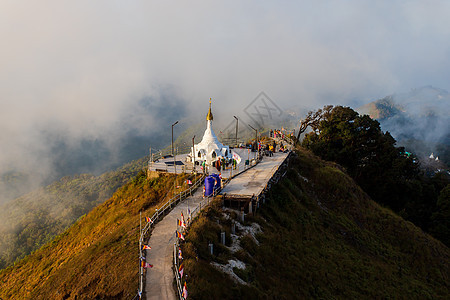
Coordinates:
[147,265]
[183,223]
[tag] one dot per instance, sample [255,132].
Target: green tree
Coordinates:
[370,156]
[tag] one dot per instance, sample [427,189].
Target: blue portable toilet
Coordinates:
[217,178]
[209,186]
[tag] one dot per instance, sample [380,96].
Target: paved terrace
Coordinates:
[166,164]
[253,181]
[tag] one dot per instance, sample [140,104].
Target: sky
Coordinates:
[74,71]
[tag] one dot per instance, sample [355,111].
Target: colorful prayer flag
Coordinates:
[147,265]
[148,219]
[188,181]
[185,291]
[146,247]
[181,223]
[181,270]
[180,256]
[180,235]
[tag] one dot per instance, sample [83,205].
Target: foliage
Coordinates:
[322,237]
[369,155]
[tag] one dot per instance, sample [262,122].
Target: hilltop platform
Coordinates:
[167,164]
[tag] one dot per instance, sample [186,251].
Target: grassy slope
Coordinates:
[322,238]
[28,222]
[97,257]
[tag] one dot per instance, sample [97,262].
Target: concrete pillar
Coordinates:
[233,228]
[250,207]
[211,248]
[222,238]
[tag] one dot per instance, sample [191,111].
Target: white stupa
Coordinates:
[209,149]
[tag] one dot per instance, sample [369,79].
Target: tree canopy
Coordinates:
[370,156]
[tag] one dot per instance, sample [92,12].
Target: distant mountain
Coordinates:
[28,222]
[418,120]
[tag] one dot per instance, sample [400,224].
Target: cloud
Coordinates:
[89,71]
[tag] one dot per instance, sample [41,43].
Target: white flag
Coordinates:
[236,157]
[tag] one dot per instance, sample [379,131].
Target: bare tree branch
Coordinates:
[313,119]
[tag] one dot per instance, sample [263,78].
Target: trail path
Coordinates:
[160,278]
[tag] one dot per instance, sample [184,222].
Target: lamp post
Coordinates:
[256,138]
[193,154]
[237,124]
[173,154]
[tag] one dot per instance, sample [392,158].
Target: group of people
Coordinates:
[280,133]
[269,148]
[219,164]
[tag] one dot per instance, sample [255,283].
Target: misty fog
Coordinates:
[86,86]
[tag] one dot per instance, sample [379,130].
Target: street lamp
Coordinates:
[173,154]
[193,154]
[256,137]
[237,124]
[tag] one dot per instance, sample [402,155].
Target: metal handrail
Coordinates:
[194,212]
[153,220]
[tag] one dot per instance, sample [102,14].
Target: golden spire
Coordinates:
[209,116]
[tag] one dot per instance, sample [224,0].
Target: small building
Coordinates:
[209,149]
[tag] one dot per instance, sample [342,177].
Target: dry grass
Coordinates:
[97,257]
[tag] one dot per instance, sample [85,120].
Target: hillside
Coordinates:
[34,219]
[418,120]
[97,257]
[321,237]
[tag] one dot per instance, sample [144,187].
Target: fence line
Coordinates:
[155,218]
[204,203]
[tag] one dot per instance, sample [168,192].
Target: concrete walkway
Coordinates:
[253,181]
[159,279]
